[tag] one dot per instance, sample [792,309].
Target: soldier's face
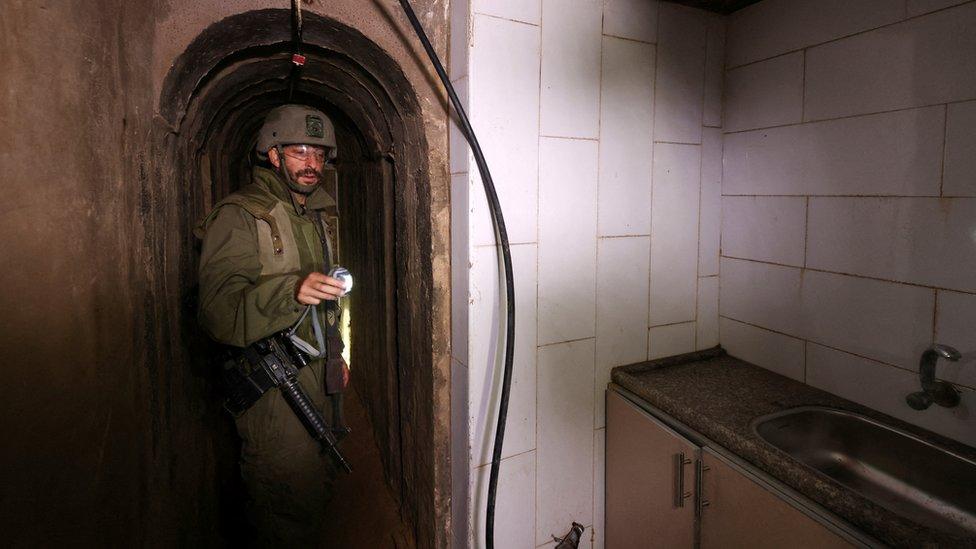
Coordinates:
[304,163]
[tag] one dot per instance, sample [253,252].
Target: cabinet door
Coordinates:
[740,512]
[649,481]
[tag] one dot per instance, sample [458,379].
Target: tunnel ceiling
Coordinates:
[218,92]
[724,7]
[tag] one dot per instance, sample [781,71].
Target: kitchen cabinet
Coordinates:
[738,511]
[664,490]
[649,482]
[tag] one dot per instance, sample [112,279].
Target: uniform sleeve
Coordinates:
[237,305]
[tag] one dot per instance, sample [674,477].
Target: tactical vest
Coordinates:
[278,251]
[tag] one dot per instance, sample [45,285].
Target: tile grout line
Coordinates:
[852,275]
[599,164]
[669,324]
[650,213]
[839,38]
[850,116]
[806,231]
[538,202]
[568,137]
[833,348]
[709,29]
[596,263]
[876,196]
[564,342]
[508,19]
[645,42]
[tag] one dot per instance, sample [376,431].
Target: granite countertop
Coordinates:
[719,396]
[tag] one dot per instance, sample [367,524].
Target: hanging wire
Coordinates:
[297,57]
[504,250]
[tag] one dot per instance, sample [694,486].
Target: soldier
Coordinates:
[266,249]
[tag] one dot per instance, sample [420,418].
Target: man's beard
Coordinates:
[294,185]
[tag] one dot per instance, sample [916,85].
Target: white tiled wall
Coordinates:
[601,121]
[849,227]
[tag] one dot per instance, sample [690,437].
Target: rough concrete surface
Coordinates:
[112,432]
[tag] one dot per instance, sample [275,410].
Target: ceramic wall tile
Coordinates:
[460,151]
[956,316]
[634,19]
[710,216]
[926,241]
[571,43]
[670,340]
[773,351]
[680,76]
[897,153]
[599,487]
[884,388]
[960,154]
[714,71]
[764,94]
[460,454]
[885,321]
[921,61]
[567,239]
[674,233]
[626,142]
[514,502]
[764,228]
[459,267]
[706,324]
[761,294]
[504,95]
[565,454]
[526,11]
[621,308]
[458,53]
[773,27]
[487,348]
[918,7]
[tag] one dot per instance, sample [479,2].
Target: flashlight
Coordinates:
[342,274]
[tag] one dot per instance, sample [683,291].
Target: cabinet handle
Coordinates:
[701,502]
[679,479]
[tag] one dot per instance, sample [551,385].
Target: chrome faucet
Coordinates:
[939,392]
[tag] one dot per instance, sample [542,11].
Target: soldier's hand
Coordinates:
[316,287]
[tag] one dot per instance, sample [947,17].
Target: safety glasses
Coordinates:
[304,153]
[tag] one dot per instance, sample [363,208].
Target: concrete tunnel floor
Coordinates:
[363,512]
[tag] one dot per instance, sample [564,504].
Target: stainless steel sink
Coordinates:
[890,467]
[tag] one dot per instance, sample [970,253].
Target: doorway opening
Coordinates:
[214,100]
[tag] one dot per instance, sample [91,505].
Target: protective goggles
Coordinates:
[305,153]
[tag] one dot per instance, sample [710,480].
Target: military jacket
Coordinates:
[257,245]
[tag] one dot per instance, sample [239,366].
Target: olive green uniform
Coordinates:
[257,245]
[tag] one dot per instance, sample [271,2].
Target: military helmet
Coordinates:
[296,124]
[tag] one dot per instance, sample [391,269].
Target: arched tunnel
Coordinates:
[217,95]
[161,102]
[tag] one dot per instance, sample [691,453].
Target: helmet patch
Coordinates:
[314,126]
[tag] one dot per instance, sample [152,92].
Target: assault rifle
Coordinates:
[270,362]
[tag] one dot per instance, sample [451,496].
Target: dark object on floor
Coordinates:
[572,539]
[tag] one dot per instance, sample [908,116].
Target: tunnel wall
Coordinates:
[109,426]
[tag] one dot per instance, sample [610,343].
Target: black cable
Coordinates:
[499,222]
